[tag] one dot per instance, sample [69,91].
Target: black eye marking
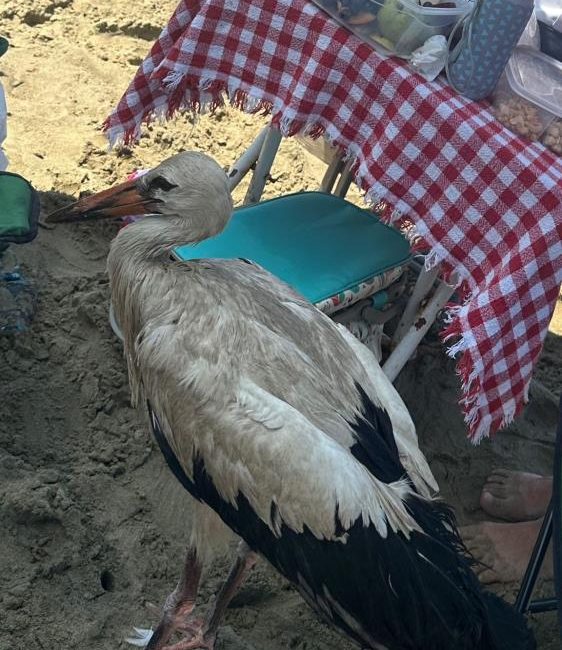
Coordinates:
[160,183]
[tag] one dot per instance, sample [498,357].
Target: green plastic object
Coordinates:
[3,45]
[318,243]
[19,209]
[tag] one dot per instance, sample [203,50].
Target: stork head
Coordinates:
[190,187]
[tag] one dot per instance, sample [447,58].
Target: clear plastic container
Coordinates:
[398,26]
[17,295]
[528,97]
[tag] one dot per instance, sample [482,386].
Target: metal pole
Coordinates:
[543,605]
[535,563]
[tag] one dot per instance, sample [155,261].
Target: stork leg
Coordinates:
[204,633]
[180,602]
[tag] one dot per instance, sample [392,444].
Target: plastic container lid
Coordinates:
[537,78]
[463,7]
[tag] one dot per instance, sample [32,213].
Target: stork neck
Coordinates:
[149,241]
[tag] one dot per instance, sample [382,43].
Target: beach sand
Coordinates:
[93,523]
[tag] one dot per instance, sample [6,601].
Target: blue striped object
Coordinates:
[318,243]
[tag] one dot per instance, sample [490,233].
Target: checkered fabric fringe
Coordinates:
[487,204]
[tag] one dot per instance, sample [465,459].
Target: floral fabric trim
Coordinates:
[359,291]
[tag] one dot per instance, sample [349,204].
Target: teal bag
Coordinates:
[19,210]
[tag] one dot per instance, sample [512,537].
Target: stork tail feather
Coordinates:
[507,629]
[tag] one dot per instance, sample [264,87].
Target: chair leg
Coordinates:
[424,283]
[407,346]
[345,180]
[242,166]
[334,169]
[263,166]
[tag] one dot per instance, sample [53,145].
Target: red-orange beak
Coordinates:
[122,200]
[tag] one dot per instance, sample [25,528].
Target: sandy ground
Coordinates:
[93,525]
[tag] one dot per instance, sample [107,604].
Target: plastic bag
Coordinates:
[531,36]
[431,57]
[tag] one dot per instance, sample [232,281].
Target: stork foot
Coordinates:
[206,643]
[200,637]
[195,630]
[176,613]
[191,626]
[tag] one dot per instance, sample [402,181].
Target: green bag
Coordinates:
[19,209]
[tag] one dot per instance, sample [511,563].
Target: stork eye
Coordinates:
[160,183]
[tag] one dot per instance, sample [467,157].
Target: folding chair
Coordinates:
[336,254]
[413,324]
[551,531]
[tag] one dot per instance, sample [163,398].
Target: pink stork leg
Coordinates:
[180,603]
[203,633]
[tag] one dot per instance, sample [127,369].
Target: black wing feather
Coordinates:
[376,447]
[405,594]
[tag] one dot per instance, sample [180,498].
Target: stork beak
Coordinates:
[121,200]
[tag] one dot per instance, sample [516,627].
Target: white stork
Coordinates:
[284,425]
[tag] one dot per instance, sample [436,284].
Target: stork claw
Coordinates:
[201,641]
[142,637]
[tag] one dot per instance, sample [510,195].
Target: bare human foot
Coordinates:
[516,496]
[503,550]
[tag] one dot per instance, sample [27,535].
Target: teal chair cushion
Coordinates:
[318,243]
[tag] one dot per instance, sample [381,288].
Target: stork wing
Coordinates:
[288,470]
[375,560]
[346,363]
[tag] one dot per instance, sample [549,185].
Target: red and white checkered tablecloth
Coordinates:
[486,203]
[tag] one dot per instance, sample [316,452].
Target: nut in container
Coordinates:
[528,97]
